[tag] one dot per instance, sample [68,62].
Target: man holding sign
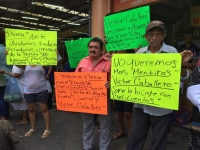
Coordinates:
[96,62]
[145,116]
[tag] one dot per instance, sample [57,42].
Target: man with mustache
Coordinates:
[96,62]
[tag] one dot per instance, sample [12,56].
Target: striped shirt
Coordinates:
[103,65]
[155,111]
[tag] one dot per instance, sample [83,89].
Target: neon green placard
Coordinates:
[77,50]
[31,47]
[149,79]
[126,30]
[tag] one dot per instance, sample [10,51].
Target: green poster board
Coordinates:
[31,47]
[77,50]
[149,79]
[126,30]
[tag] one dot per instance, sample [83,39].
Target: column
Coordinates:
[99,9]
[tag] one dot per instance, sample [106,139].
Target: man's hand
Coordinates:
[47,77]
[186,56]
[107,85]
[136,49]
[57,52]
[2,71]
[108,55]
[6,52]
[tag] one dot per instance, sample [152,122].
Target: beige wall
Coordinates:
[99,9]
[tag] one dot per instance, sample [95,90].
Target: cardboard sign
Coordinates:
[81,92]
[77,50]
[30,47]
[126,30]
[149,79]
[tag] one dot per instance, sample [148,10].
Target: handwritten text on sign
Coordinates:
[150,79]
[77,50]
[30,47]
[126,30]
[81,92]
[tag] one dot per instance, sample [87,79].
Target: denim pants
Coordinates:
[4,106]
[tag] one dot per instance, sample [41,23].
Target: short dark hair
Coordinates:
[96,39]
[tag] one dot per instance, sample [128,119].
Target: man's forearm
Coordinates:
[191,65]
[183,72]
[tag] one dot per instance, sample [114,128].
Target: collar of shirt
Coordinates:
[146,49]
[85,65]
[102,57]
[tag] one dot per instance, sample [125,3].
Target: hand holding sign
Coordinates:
[81,92]
[125,30]
[29,47]
[152,79]
[186,56]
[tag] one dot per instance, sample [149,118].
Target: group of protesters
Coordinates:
[139,117]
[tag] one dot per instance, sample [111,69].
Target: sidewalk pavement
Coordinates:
[66,133]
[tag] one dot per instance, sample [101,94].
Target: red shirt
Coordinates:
[103,65]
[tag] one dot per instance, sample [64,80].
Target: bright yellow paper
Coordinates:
[31,47]
[149,79]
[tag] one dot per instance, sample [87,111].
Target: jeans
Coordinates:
[4,106]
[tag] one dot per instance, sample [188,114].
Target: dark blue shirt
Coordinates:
[68,68]
[51,76]
[193,48]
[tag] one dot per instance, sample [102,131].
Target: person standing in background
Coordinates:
[123,109]
[66,65]
[4,106]
[49,75]
[189,45]
[18,73]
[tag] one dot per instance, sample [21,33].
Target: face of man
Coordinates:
[188,39]
[155,37]
[94,49]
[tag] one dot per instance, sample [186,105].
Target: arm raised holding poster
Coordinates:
[29,47]
[125,30]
